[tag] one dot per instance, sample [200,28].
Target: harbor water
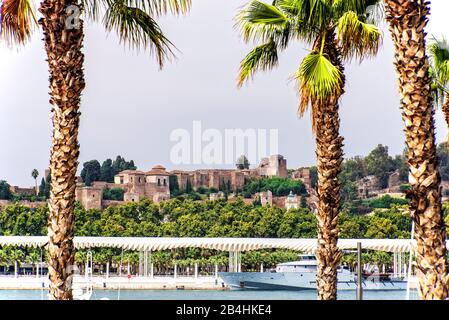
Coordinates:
[208,295]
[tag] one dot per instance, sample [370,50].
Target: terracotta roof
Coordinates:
[157,170]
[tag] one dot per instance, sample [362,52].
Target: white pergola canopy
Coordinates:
[222,244]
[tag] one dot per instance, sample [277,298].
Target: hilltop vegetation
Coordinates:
[92,171]
[278,186]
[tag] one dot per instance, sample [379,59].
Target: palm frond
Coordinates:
[372,8]
[436,89]
[154,8]
[357,38]
[439,70]
[263,57]
[138,29]
[17,21]
[439,56]
[318,80]
[262,22]
[317,14]
[161,7]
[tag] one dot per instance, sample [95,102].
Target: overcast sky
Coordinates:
[130,108]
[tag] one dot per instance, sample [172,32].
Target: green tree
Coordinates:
[91,172]
[314,176]
[174,185]
[189,188]
[115,194]
[47,186]
[120,164]
[107,171]
[337,31]
[5,191]
[381,228]
[439,58]
[35,175]
[242,163]
[380,164]
[42,188]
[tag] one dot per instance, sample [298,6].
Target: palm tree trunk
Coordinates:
[329,149]
[65,60]
[407,20]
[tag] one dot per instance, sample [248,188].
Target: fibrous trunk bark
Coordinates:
[329,150]
[407,19]
[63,36]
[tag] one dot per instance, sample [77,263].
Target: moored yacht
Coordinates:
[301,275]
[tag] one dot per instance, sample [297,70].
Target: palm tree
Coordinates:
[133,20]
[337,31]
[17,21]
[439,58]
[407,21]
[35,174]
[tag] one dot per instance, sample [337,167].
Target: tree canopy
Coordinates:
[92,171]
[187,218]
[278,186]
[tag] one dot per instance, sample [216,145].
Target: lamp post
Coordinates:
[359,272]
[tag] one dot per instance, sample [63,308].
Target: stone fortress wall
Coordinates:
[155,184]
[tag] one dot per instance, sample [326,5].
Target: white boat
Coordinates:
[301,275]
[82,293]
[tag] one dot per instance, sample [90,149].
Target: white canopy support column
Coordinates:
[235,261]
[394,265]
[196,270]
[239,261]
[150,258]
[141,273]
[145,263]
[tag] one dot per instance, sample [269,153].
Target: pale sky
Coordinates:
[129,107]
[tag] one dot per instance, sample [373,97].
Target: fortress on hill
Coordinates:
[155,184]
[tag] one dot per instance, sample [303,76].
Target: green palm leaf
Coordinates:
[439,52]
[318,80]
[261,22]
[263,57]
[439,72]
[357,39]
[316,13]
